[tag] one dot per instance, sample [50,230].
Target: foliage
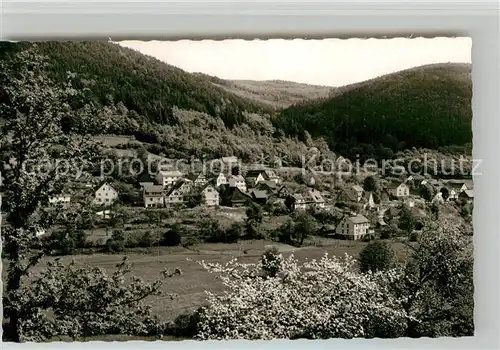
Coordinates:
[438,283]
[194,198]
[376,256]
[173,237]
[401,110]
[427,192]
[295,231]
[85,301]
[407,220]
[389,231]
[35,112]
[298,302]
[370,184]
[116,243]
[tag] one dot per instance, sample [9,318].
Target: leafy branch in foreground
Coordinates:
[35,139]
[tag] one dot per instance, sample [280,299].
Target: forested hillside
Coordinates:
[275,93]
[142,83]
[428,106]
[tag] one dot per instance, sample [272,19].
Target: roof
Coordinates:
[357,188]
[170,173]
[270,173]
[394,185]
[254,173]
[177,185]
[153,188]
[350,193]
[237,177]
[230,159]
[454,184]
[359,219]
[259,194]
[468,193]
[298,196]
[316,196]
[145,178]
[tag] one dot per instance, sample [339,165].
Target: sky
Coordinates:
[330,62]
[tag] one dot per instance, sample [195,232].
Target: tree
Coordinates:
[438,282]
[427,192]
[32,110]
[445,193]
[304,227]
[376,256]
[407,220]
[194,198]
[295,300]
[370,184]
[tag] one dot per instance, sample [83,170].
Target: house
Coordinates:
[175,195]
[270,175]
[105,195]
[255,176]
[211,195]
[259,196]
[237,181]
[347,195]
[466,196]
[269,186]
[328,230]
[221,180]
[153,196]
[145,180]
[353,227]
[167,178]
[233,197]
[359,192]
[398,190]
[299,203]
[368,202]
[315,200]
[63,200]
[198,179]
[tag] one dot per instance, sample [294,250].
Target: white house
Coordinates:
[168,177]
[299,202]
[63,200]
[221,180]
[315,199]
[153,196]
[200,180]
[238,181]
[211,195]
[353,227]
[105,195]
[398,190]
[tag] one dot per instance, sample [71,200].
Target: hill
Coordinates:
[142,83]
[275,93]
[427,106]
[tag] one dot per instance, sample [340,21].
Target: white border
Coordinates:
[44,20]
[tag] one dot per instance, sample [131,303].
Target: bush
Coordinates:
[376,256]
[185,325]
[116,243]
[172,237]
[272,262]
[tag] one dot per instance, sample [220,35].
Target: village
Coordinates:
[362,202]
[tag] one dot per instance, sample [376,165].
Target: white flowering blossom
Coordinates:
[315,299]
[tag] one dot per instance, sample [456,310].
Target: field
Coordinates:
[189,288]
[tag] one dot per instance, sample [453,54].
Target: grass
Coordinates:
[189,288]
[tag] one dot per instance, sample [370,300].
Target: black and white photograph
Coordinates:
[236,189]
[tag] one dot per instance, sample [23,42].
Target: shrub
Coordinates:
[185,325]
[116,243]
[271,262]
[172,237]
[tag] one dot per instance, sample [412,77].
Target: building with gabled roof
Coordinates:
[353,227]
[105,195]
[153,196]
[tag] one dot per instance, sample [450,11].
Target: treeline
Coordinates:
[424,107]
